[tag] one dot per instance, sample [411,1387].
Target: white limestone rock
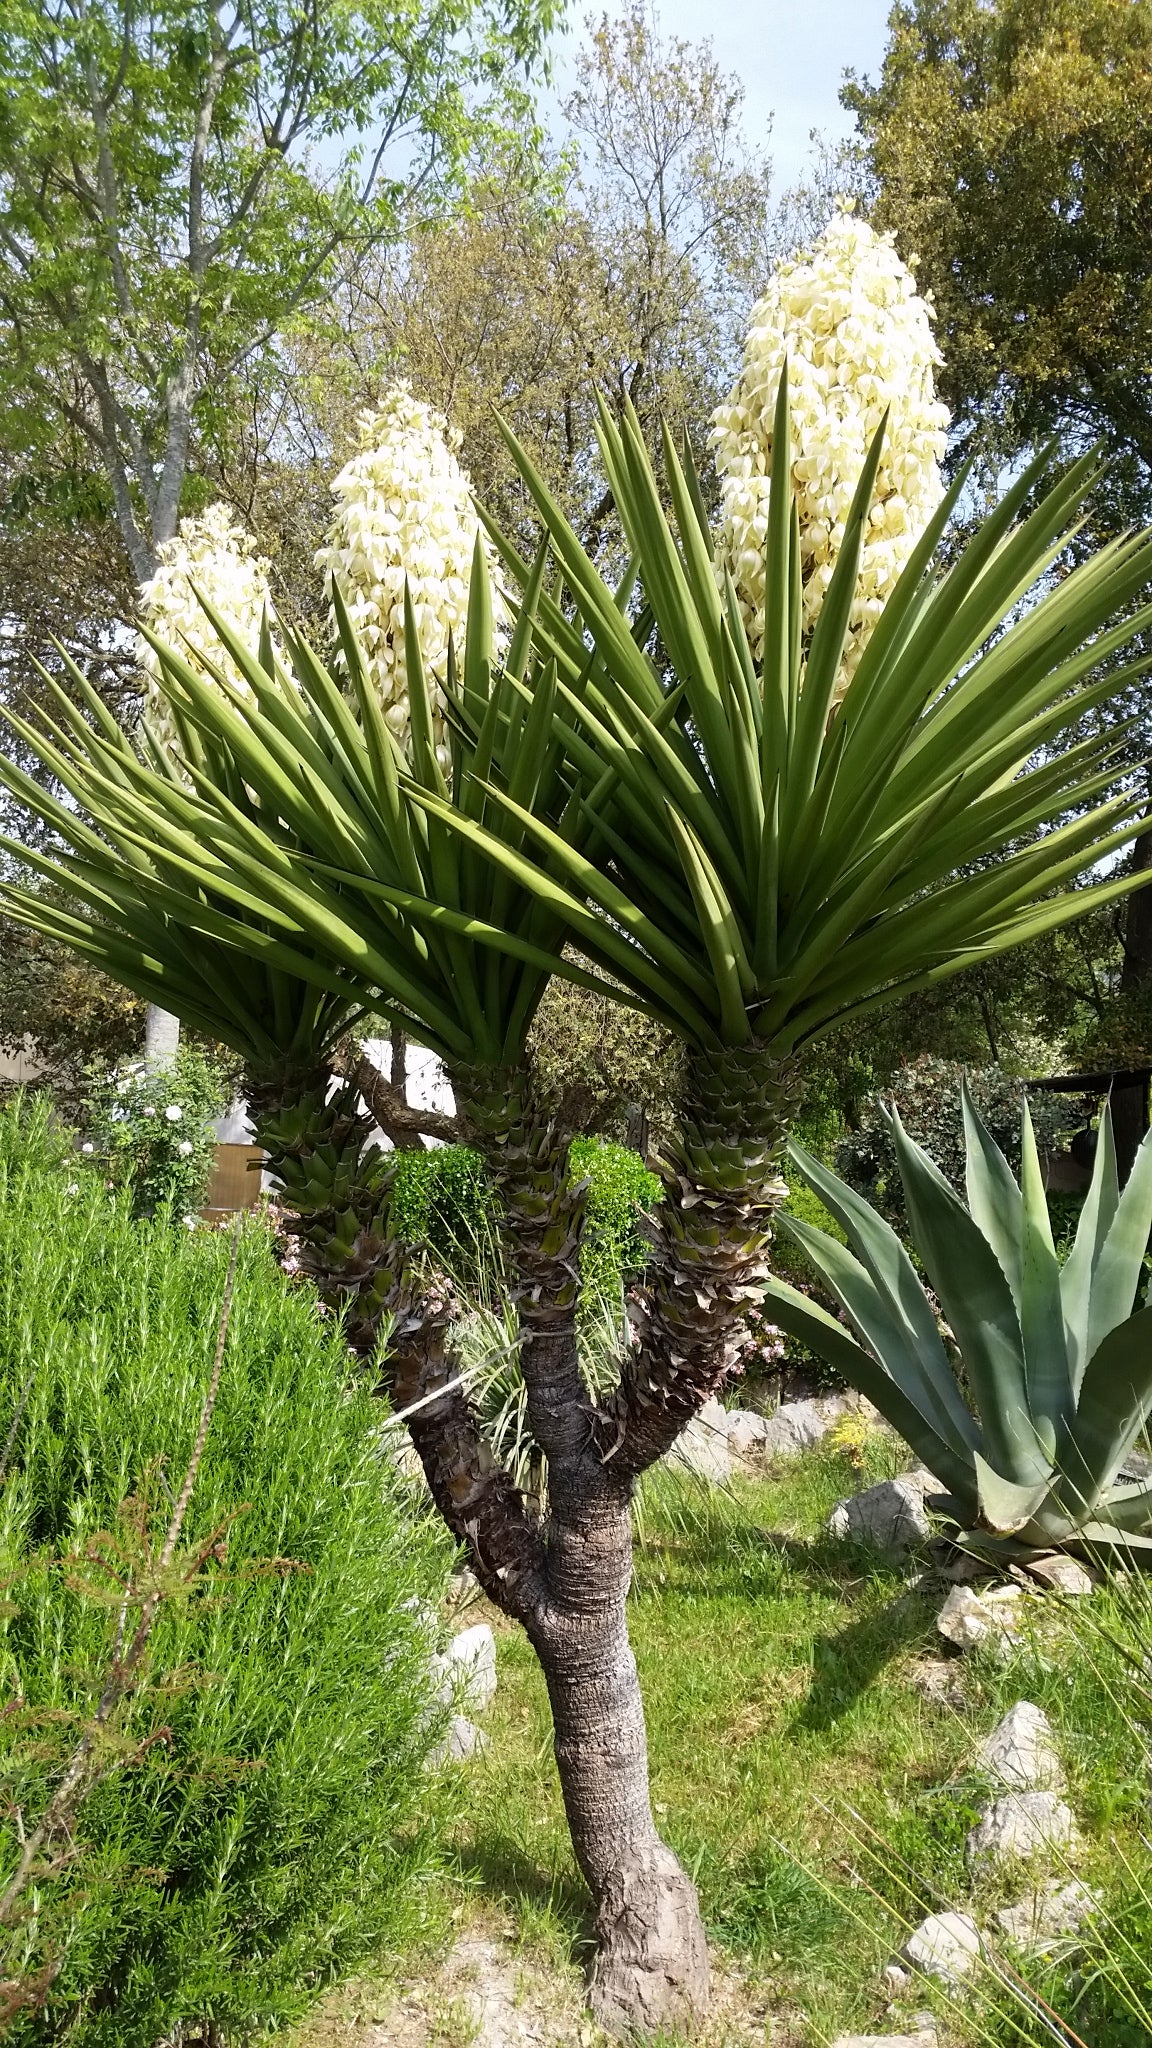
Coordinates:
[993,1618]
[939,1680]
[702,1447]
[795,1427]
[926,2037]
[464,1675]
[1020,1754]
[746,1432]
[1049,1916]
[888,1517]
[1063,1574]
[1019,1827]
[945,1945]
[461,1740]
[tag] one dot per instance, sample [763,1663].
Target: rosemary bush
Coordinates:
[284,1825]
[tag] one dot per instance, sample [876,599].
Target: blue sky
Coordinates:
[790,56]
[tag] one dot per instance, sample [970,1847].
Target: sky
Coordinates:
[790,56]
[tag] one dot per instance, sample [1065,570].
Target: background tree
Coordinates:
[623,258]
[165,211]
[1011,146]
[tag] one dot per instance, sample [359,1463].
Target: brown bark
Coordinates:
[710,1239]
[395,1115]
[651,1966]
[566,1581]
[565,1577]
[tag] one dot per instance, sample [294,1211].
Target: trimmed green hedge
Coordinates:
[287,1826]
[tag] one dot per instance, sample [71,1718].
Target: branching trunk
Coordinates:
[564,1577]
[710,1239]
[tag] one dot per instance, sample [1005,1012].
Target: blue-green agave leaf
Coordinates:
[970,1285]
[1115,1402]
[925,1379]
[1041,1313]
[1117,1271]
[898,1287]
[1006,1507]
[993,1196]
[805,1319]
[1100,1204]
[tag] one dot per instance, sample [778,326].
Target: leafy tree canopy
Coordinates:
[176,181]
[1012,144]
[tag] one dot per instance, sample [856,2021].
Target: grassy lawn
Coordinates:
[820,1799]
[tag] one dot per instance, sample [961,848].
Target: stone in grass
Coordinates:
[938,1680]
[889,1517]
[1020,1755]
[925,2037]
[461,1740]
[993,1618]
[746,1432]
[795,1427]
[945,1945]
[1063,1574]
[465,1673]
[702,1448]
[1051,1915]
[1020,1826]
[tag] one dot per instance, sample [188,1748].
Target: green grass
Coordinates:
[820,1801]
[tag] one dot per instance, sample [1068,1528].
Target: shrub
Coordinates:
[620,1188]
[285,1827]
[927,1094]
[441,1199]
[152,1131]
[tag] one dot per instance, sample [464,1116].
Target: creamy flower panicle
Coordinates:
[404,508]
[217,556]
[857,338]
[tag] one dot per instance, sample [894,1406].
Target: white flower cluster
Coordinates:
[404,508]
[216,555]
[857,338]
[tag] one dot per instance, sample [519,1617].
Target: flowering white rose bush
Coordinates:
[217,556]
[163,1151]
[857,338]
[404,508]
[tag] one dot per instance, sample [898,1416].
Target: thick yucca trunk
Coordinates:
[651,1968]
[564,1577]
[334,1183]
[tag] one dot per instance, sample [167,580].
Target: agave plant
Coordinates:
[1029,1436]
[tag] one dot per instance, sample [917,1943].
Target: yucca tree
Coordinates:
[751,866]
[280,854]
[782,854]
[293,858]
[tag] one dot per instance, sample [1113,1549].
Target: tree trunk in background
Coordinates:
[161,1037]
[1130,1105]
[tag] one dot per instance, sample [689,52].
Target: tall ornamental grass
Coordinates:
[284,1825]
